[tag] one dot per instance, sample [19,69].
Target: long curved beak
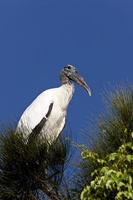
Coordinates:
[79,79]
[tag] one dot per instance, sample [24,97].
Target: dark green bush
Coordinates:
[31,168]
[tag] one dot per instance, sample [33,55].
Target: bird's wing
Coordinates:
[38,110]
[41,124]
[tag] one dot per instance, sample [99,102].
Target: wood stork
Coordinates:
[49,109]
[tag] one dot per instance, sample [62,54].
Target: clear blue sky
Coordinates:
[38,37]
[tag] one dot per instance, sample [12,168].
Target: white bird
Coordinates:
[49,109]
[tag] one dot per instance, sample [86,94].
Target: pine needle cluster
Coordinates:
[112,129]
[31,169]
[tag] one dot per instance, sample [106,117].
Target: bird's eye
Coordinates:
[68,67]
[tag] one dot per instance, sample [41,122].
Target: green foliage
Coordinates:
[30,168]
[114,126]
[113,179]
[109,131]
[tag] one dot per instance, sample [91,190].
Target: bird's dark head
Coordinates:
[70,73]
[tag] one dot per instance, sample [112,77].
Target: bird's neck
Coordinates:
[67,93]
[67,89]
[64,79]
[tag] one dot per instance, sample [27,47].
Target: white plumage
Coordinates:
[60,97]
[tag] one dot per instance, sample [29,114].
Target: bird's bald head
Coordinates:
[69,72]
